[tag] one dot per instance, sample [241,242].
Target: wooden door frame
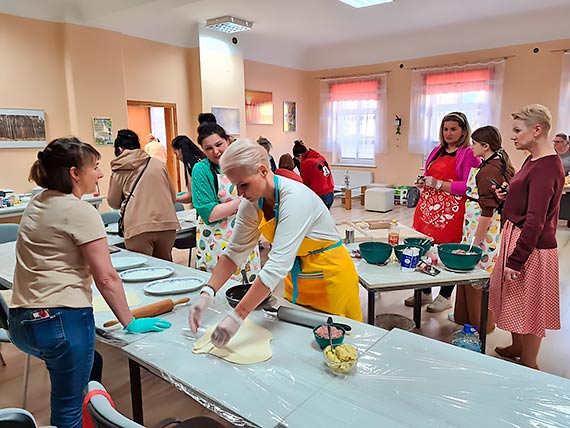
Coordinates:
[172,163]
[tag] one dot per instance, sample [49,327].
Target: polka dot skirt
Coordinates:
[531,303]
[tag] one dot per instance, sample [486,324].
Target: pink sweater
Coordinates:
[464,161]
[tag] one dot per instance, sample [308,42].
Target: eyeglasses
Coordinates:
[558,141]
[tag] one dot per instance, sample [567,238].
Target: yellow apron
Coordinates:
[323,276]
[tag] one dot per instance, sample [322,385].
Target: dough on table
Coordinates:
[100,305]
[250,345]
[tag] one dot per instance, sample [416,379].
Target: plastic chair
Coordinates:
[18,418]
[6,339]
[8,232]
[105,416]
[110,217]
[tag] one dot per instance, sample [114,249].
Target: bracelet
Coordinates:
[208,289]
[438,184]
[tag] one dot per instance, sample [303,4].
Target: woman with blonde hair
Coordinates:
[307,251]
[524,290]
[482,224]
[440,210]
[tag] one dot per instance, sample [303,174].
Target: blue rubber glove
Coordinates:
[144,325]
[181,193]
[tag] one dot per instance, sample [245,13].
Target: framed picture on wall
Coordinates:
[103,130]
[258,107]
[289,116]
[228,118]
[22,128]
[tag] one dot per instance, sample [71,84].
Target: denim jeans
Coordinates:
[66,342]
[328,199]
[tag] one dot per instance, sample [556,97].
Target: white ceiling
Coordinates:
[318,34]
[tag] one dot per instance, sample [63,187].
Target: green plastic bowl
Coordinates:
[324,342]
[399,249]
[459,261]
[375,252]
[425,243]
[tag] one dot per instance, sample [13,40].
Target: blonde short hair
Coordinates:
[534,114]
[244,153]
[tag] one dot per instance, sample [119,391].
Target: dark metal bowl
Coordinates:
[235,294]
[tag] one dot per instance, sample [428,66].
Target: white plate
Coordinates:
[113,228]
[457,270]
[174,286]
[146,274]
[123,263]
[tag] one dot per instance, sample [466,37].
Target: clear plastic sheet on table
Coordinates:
[261,394]
[406,380]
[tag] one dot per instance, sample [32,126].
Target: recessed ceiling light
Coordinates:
[365,3]
[229,24]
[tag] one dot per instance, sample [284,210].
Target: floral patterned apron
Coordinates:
[211,240]
[439,214]
[492,240]
[323,275]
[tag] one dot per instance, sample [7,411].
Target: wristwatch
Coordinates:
[208,289]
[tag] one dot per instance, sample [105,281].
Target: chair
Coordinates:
[186,240]
[6,339]
[17,418]
[105,416]
[110,217]
[8,232]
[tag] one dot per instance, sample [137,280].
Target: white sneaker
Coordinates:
[426,298]
[439,304]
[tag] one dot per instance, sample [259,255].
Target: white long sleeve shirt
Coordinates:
[301,214]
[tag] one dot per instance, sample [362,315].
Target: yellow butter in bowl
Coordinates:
[342,359]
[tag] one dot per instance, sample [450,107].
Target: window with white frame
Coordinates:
[352,118]
[563,121]
[475,90]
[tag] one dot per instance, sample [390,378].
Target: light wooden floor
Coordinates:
[161,400]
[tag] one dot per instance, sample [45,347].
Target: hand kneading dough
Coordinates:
[250,345]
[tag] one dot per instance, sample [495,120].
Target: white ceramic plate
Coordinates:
[457,270]
[146,274]
[123,263]
[174,286]
[113,228]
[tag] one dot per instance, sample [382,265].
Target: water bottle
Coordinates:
[394,233]
[467,338]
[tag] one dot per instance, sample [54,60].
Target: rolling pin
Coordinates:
[152,310]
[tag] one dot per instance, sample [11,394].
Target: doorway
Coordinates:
[159,119]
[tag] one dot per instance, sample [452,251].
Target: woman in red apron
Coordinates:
[306,252]
[439,213]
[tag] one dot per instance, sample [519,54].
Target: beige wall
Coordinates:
[286,84]
[529,78]
[75,73]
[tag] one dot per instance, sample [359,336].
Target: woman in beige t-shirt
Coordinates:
[61,249]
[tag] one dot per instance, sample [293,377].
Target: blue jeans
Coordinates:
[328,199]
[66,342]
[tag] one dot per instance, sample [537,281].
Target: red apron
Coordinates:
[439,214]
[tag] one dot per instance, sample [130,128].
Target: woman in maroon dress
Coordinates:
[524,290]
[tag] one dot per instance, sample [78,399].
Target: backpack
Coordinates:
[413,197]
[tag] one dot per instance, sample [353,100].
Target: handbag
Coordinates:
[124,208]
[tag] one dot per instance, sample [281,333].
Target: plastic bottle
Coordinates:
[467,338]
[394,233]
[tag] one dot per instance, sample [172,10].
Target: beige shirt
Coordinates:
[151,208]
[156,150]
[50,269]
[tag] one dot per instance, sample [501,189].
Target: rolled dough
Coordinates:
[250,345]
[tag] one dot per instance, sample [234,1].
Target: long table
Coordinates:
[402,379]
[18,210]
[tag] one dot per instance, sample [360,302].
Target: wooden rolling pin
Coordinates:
[152,310]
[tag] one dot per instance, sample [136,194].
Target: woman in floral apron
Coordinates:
[482,224]
[307,251]
[440,210]
[216,202]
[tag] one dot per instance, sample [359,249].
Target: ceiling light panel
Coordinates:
[365,3]
[229,24]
